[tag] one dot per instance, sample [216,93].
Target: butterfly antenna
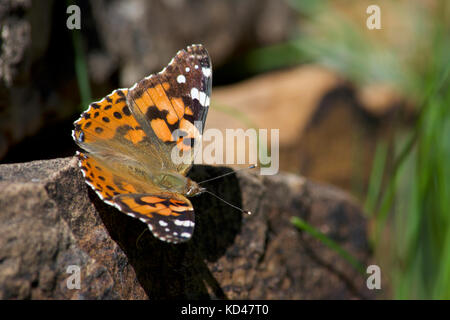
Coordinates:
[140,236]
[228,173]
[231,205]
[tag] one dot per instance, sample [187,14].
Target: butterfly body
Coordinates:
[131,135]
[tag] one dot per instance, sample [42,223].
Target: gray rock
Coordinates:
[50,220]
[143,35]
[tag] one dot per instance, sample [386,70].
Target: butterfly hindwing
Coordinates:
[104,181]
[170,217]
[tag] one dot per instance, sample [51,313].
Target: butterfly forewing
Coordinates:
[174,101]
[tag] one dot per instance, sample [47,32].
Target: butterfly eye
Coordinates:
[190,192]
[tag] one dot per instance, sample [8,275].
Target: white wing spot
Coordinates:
[188,69]
[202,98]
[185,223]
[130,214]
[162,71]
[186,235]
[163,223]
[181,79]
[195,94]
[206,72]
[196,66]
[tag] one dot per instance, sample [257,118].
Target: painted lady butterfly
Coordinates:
[129,136]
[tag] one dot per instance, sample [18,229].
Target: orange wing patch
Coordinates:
[161,129]
[162,102]
[170,217]
[147,205]
[178,105]
[102,180]
[107,118]
[191,133]
[153,94]
[165,115]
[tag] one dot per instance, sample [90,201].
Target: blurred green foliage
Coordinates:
[81,68]
[408,201]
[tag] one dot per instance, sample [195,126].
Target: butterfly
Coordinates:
[129,136]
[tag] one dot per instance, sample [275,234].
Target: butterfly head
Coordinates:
[193,189]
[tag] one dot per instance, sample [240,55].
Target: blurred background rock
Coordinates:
[366,110]
[46,69]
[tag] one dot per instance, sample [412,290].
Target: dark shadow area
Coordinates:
[52,141]
[52,78]
[179,271]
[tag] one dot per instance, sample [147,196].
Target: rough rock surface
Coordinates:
[50,219]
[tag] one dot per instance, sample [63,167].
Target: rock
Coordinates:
[151,32]
[50,220]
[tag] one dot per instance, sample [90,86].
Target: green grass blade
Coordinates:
[302,225]
[81,69]
[376,177]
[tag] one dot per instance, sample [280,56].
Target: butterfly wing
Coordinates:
[175,101]
[170,216]
[109,130]
[139,125]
